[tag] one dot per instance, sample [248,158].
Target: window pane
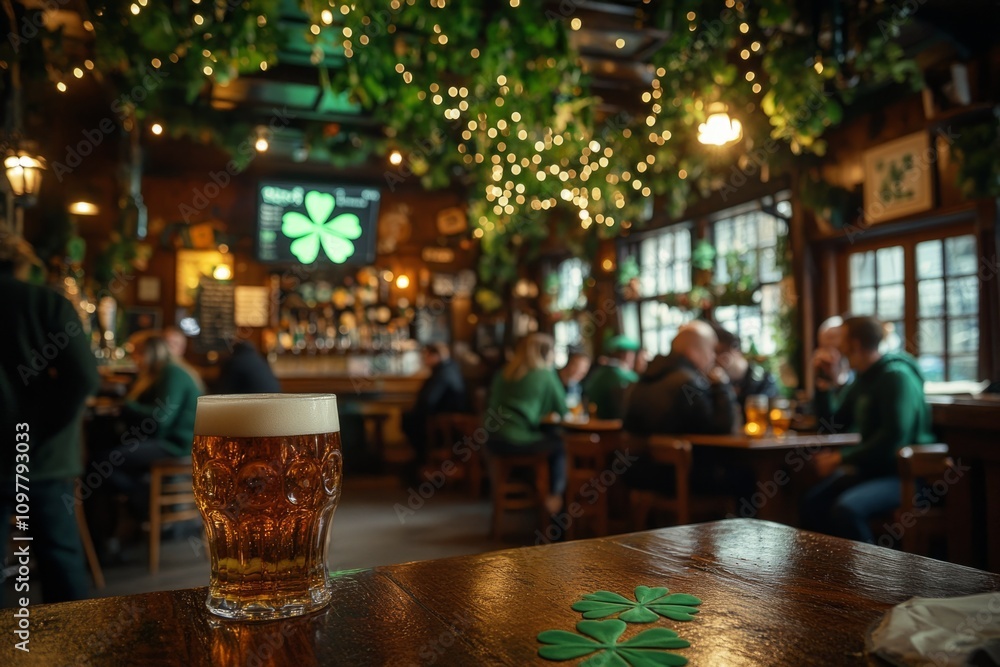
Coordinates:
[862,269]
[963,368]
[895,337]
[963,336]
[863,301]
[767,231]
[891,302]
[651,327]
[930,297]
[929,260]
[682,245]
[963,296]
[961,257]
[890,264]
[930,337]
[784,208]
[932,367]
[768,270]
[630,321]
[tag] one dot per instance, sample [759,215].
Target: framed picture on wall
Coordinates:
[140,318]
[899,178]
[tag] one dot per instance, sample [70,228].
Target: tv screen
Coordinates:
[316,224]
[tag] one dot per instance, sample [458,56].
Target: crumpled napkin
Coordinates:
[940,632]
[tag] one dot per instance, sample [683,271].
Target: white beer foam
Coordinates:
[266,415]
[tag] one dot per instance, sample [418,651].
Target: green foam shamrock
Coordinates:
[601,637]
[649,604]
[317,229]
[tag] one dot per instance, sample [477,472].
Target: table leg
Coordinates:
[959,508]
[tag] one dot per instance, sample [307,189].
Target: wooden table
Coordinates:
[591,425]
[776,461]
[772,595]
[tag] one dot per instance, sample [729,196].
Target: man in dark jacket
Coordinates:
[748,378]
[885,404]
[247,372]
[443,391]
[48,373]
[685,392]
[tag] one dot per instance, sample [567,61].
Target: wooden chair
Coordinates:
[444,430]
[171,500]
[88,543]
[511,495]
[676,453]
[928,463]
[586,459]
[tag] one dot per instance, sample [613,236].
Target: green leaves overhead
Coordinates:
[649,604]
[646,649]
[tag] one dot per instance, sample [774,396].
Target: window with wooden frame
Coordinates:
[926,289]
[664,259]
[572,273]
[754,237]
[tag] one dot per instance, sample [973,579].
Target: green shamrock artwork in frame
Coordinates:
[646,649]
[649,604]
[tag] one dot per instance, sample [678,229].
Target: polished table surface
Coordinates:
[771,595]
[789,440]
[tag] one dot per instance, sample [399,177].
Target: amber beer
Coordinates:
[267,473]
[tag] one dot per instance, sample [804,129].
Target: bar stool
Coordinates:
[88,543]
[928,463]
[446,429]
[171,500]
[586,459]
[510,494]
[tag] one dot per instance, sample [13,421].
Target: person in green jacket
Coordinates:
[607,384]
[49,372]
[158,422]
[885,404]
[525,392]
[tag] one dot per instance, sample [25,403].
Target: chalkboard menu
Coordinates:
[316,224]
[216,315]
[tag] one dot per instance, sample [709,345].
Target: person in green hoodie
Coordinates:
[525,392]
[885,404]
[157,419]
[608,382]
[49,372]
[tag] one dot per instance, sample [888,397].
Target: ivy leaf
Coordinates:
[646,649]
[649,604]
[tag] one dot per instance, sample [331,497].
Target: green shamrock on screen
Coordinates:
[643,650]
[335,235]
[649,604]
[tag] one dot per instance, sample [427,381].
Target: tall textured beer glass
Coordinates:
[267,471]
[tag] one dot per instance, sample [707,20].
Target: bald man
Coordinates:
[684,392]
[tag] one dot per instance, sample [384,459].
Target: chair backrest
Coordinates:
[667,450]
[928,462]
[584,452]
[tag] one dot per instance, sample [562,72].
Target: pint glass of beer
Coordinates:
[267,471]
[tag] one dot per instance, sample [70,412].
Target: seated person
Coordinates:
[685,392]
[572,374]
[748,378]
[885,404]
[525,392]
[158,423]
[443,391]
[606,385]
[246,371]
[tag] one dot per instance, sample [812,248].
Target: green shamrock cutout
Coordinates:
[649,604]
[335,235]
[643,650]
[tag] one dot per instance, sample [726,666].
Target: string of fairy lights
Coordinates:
[530,151]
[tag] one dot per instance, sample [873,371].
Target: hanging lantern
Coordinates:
[720,129]
[24,173]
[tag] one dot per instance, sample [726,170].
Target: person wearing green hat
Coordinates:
[605,387]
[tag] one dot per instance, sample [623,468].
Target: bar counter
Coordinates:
[771,595]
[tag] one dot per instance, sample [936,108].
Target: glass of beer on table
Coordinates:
[267,475]
[756,416]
